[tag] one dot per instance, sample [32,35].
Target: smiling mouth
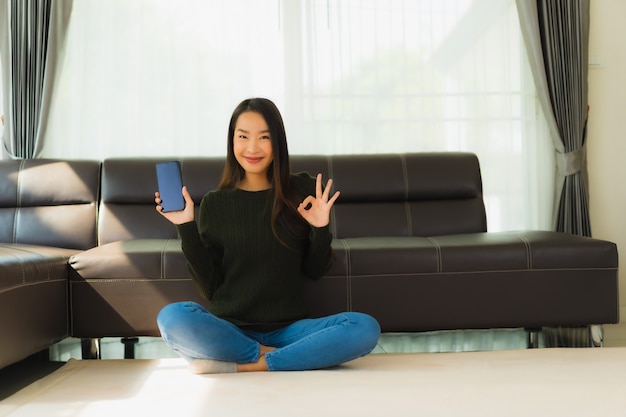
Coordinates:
[253,160]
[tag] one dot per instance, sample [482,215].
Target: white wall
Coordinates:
[606,137]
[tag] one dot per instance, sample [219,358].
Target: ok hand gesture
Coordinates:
[316,210]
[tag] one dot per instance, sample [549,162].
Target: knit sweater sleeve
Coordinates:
[318,256]
[203,259]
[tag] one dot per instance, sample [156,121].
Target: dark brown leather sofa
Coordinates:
[47,214]
[410,238]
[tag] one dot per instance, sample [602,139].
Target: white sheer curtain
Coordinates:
[157,77]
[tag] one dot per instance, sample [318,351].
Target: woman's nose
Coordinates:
[253,145]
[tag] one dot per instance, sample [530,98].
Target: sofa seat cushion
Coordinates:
[22,264]
[480,280]
[118,288]
[145,259]
[33,295]
[470,252]
[473,280]
[522,250]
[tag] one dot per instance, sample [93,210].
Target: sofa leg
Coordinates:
[129,347]
[596,335]
[90,348]
[574,336]
[533,338]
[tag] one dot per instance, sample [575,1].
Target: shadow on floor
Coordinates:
[21,374]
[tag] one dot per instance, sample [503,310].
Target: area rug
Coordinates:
[539,382]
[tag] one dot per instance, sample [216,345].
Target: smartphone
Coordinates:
[170,182]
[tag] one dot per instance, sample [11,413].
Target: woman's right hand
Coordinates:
[177,217]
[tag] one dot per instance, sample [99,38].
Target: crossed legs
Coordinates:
[211,344]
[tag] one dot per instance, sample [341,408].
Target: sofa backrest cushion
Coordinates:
[49,202]
[127,209]
[413,194]
[416,194]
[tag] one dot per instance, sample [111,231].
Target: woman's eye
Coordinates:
[243,137]
[265,137]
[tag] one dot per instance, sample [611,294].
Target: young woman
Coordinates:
[257,240]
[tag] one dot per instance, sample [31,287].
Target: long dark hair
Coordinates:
[284,205]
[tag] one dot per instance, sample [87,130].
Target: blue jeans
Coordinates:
[195,333]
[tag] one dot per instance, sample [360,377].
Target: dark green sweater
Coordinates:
[250,278]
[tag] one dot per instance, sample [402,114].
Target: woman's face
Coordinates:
[252,145]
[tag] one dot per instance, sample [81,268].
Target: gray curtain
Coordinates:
[31,39]
[556,34]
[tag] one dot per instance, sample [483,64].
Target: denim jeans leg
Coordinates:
[321,343]
[195,333]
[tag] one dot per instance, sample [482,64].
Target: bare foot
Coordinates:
[258,366]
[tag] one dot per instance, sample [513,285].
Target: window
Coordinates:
[155,77]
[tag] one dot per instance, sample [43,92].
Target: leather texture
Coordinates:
[47,213]
[410,241]
[49,202]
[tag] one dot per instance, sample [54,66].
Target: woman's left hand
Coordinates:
[316,210]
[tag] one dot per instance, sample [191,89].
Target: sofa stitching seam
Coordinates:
[31,284]
[18,198]
[163,251]
[348,274]
[89,281]
[116,280]
[438,250]
[333,219]
[407,208]
[484,271]
[529,259]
